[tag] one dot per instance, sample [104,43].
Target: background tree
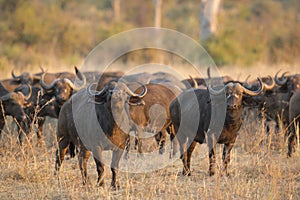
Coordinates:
[116,5]
[209,10]
[158,12]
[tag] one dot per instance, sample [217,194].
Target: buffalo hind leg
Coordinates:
[212,162]
[61,152]
[183,153]
[83,159]
[211,142]
[114,168]
[189,156]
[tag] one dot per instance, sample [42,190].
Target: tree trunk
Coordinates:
[116,4]
[208,18]
[158,13]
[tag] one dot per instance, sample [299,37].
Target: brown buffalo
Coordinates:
[118,110]
[207,107]
[24,78]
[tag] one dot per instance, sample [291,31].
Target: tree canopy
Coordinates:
[55,32]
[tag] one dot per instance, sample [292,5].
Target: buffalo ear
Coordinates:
[136,101]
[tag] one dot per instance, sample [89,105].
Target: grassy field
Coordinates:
[259,169]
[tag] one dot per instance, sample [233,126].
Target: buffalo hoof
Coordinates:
[114,187]
[161,151]
[141,155]
[211,173]
[225,174]
[186,173]
[100,184]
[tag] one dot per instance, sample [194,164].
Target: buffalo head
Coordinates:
[289,83]
[118,93]
[62,89]
[234,93]
[26,77]
[13,104]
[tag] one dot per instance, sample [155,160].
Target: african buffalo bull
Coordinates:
[277,101]
[42,105]
[12,103]
[294,119]
[207,107]
[62,88]
[24,78]
[274,101]
[117,111]
[288,84]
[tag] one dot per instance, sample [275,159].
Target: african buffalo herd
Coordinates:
[128,107]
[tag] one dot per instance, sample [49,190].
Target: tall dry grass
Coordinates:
[259,169]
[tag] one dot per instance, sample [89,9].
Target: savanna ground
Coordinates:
[259,168]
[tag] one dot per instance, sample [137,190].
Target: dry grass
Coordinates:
[259,170]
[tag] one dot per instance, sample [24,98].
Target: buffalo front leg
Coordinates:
[83,159]
[99,165]
[139,141]
[114,168]
[162,141]
[2,123]
[211,141]
[226,156]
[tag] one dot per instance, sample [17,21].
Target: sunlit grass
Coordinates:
[259,169]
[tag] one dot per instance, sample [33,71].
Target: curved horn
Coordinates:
[93,93]
[143,93]
[194,81]
[27,97]
[81,76]
[45,86]
[271,86]
[247,78]
[72,85]
[254,93]
[13,74]
[38,75]
[246,81]
[208,72]
[284,79]
[42,70]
